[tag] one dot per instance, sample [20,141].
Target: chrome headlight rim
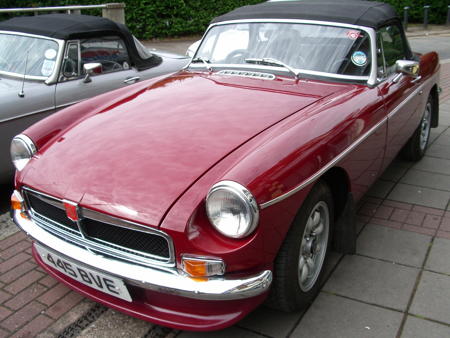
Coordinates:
[28,145]
[245,196]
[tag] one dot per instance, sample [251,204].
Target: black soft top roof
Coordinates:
[68,27]
[356,12]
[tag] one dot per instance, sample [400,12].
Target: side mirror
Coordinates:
[193,49]
[89,69]
[408,67]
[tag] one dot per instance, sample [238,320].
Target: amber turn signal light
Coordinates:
[202,267]
[17,203]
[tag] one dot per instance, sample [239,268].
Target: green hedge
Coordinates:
[437,13]
[169,18]
[154,18]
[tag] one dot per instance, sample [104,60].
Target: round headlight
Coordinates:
[22,150]
[232,209]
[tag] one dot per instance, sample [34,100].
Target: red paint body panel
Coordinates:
[151,153]
[160,148]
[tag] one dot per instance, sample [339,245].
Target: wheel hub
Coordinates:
[313,246]
[425,127]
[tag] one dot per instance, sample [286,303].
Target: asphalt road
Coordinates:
[438,43]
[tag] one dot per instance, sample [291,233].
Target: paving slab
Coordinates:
[436,132]
[373,281]
[227,333]
[443,140]
[380,189]
[434,165]
[420,195]
[393,245]
[432,297]
[439,151]
[427,179]
[333,316]
[439,258]
[395,171]
[444,120]
[270,322]
[419,328]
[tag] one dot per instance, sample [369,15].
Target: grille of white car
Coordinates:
[245,73]
[101,233]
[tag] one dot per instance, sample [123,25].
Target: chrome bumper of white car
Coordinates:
[169,280]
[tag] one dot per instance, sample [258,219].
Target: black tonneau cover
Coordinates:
[356,12]
[69,27]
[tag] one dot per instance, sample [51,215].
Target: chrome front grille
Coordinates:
[100,233]
[244,73]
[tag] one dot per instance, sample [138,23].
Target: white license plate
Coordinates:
[97,280]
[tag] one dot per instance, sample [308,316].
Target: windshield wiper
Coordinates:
[205,61]
[273,62]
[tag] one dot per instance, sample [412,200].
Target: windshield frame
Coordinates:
[47,79]
[371,79]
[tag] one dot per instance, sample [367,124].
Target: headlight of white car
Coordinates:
[22,150]
[232,209]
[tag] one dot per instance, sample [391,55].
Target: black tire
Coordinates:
[417,145]
[286,293]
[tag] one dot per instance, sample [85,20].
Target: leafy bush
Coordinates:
[168,18]
[152,18]
[437,13]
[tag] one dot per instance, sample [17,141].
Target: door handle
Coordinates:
[417,79]
[131,80]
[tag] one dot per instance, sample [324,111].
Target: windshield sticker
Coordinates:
[353,35]
[50,54]
[47,67]
[125,65]
[359,58]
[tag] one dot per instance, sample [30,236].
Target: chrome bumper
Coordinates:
[169,281]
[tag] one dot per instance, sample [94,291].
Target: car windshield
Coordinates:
[27,55]
[309,48]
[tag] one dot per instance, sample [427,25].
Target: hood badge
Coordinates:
[71,210]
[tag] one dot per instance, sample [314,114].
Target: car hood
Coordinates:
[136,158]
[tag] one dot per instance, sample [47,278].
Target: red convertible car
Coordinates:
[189,200]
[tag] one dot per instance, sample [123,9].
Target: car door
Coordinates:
[402,100]
[114,69]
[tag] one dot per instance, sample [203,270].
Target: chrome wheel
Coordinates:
[425,127]
[313,247]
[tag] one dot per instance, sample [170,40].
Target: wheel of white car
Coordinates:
[298,269]
[415,149]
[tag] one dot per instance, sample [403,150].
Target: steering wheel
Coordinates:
[338,63]
[236,55]
[301,61]
[115,65]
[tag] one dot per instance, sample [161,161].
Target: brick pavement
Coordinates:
[32,303]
